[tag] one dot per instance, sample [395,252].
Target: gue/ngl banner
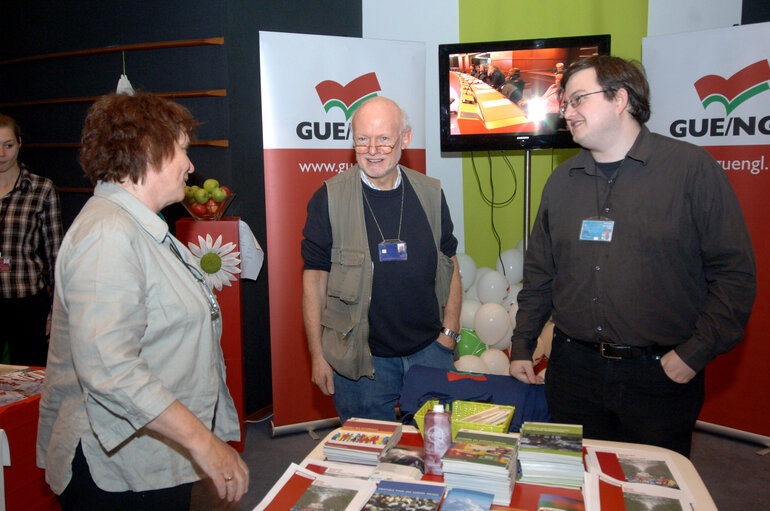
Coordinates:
[712,88]
[311,85]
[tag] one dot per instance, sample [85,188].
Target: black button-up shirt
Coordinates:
[679,270]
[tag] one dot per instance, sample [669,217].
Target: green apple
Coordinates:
[210,185]
[202,195]
[218,194]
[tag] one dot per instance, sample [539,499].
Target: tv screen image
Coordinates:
[503,95]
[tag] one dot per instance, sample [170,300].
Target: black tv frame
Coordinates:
[559,138]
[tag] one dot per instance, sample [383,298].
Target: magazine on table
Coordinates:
[461,499]
[302,489]
[603,493]
[401,462]
[405,495]
[640,474]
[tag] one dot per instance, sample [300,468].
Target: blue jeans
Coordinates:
[377,398]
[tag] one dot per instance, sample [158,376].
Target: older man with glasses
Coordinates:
[381,285]
[642,256]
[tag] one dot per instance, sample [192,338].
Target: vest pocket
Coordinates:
[346,275]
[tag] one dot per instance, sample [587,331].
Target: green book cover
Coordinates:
[551,438]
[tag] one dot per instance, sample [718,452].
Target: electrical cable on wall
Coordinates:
[490,201]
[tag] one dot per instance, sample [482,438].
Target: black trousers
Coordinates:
[82,494]
[24,332]
[629,400]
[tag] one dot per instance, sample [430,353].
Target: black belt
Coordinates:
[616,351]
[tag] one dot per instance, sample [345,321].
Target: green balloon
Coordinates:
[470,344]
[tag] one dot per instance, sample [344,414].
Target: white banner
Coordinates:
[314,83]
[710,88]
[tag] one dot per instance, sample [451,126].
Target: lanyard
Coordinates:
[213,305]
[401,217]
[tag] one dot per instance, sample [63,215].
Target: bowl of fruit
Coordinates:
[208,202]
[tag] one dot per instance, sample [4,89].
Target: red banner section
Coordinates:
[291,177]
[737,382]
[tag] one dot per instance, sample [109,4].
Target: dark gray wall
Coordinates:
[49,27]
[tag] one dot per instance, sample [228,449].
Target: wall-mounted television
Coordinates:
[514,107]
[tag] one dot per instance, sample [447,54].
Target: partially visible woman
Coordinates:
[134,406]
[30,235]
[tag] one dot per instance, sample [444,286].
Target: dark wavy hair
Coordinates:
[9,122]
[613,74]
[123,135]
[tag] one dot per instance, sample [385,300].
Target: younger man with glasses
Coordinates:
[641,255]
[381,285]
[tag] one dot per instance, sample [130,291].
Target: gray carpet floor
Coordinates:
[735,475]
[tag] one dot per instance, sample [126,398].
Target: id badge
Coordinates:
[597,230]
[392,250]
[5,264]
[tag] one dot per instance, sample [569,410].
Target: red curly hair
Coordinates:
[124,135]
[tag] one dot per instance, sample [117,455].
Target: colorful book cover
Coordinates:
[401,495]
[459,499]
[483,454]
[365,434]
[549,502]
[551,438]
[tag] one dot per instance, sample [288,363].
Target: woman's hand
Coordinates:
[218,460]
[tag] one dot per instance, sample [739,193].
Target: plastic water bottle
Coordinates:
[438,437]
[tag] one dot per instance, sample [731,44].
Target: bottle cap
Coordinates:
[438,407]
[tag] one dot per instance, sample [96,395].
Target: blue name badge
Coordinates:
[597,230]
[392,250]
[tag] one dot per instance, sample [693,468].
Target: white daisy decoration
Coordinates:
[218,262]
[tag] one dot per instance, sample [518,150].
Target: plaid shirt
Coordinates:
[30,234]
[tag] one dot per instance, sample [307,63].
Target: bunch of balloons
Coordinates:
[488,312]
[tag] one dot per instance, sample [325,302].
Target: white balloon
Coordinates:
[512,313]
[496,361]
[492,287]
[468,312]
[471,293]
[491,323]
[512,261]
[467,269]
[502,345]
[481,271]
[520,245]
[470,364]
[513,292]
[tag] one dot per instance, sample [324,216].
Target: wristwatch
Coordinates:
[450,333]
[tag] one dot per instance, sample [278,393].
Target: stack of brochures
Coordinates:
[482,461]
[362,441]
[551,454]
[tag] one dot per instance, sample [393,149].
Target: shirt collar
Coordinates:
[640,151]
[151,222]
[373,186]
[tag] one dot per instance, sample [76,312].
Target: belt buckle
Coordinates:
[603,346]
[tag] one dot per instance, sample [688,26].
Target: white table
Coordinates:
[703,500]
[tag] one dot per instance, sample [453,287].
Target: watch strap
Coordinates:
[451,333]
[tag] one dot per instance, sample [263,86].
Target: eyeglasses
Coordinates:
[575,101]
[383,149]
[213,305]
